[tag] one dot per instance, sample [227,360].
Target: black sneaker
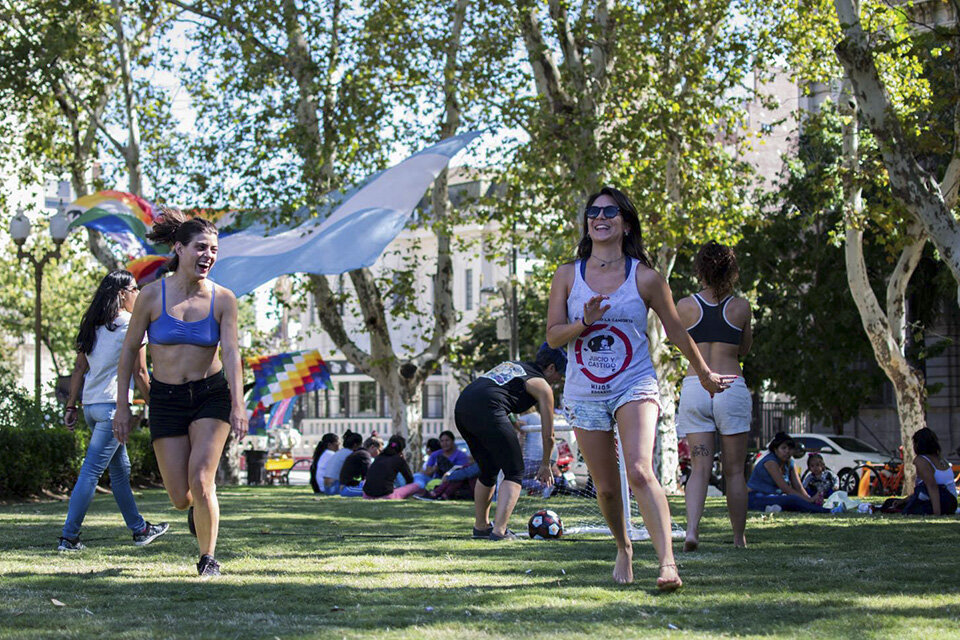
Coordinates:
[150,533]
[482,533]
[67,544]
[208,567]
[507,535]
[193,527]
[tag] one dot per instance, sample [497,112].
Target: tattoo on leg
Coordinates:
[701,450]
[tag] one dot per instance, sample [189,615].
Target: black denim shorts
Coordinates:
[174,406]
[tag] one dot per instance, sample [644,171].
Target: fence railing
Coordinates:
[771,417]
[314,428]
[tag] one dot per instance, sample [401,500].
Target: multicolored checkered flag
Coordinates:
[285,375]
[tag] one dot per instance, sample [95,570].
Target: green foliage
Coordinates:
[34,460]
[68,287]
[19,411]
[143,460]
[480,350]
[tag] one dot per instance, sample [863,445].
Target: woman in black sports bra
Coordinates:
[195,399]
[719,323]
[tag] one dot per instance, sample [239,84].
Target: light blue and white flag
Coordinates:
[360,225]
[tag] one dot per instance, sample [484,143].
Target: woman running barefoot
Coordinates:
[598,308]
[101,335]
[193,405]
[720,325]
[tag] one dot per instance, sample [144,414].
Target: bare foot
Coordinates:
[740,543]
[690,545]
[623,567]
[669,579]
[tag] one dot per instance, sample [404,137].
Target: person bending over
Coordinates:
[481,418]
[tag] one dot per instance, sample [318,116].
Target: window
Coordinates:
[433,401]
[363,399]
[315,404]
[344,398]
[468,289]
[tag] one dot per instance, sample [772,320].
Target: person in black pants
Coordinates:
[481,418]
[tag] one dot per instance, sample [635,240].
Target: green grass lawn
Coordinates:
[299,566]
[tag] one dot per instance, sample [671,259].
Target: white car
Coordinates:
[841,454]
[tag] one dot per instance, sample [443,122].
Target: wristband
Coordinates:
[583,321]
[71,408]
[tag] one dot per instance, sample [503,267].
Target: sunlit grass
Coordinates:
[299,566]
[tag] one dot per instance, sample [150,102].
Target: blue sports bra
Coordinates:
[168,330]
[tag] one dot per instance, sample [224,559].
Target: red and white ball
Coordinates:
[545,525]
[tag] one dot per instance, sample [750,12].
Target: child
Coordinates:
[935,492]
[820,480]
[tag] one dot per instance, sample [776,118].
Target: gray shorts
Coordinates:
[598,415]
[727,412]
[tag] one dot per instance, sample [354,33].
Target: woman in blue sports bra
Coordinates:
[598,309]
[195,399]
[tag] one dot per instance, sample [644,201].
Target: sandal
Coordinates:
[669,585]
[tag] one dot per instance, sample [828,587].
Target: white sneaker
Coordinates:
[773,508]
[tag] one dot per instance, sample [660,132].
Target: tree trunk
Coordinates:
[131,151]
[406,414]
[884,332]
[228,471]
[666,459]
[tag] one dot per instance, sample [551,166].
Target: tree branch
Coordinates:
[911,184]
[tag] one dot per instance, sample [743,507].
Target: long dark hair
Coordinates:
[173,226]
[926,443]
[716,266]
[632,242]
[395,446]
[103,309]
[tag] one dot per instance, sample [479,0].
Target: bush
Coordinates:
[143,461]
[36,459]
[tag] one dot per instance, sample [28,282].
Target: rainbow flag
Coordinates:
[122,216]
[285,375]
[146,269]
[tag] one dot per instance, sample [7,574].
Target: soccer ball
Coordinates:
[545,524]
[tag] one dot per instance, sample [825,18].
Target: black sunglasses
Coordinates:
[609,212]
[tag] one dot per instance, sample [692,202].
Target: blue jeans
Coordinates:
[103,451]
[352,492]
[332,489]
[464,473]
[757,501]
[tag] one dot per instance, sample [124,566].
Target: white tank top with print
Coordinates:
[612,354]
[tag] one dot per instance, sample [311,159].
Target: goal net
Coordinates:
[574,497]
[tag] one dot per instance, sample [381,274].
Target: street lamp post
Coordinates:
[19,231]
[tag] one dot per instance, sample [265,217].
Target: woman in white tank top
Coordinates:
[598,309]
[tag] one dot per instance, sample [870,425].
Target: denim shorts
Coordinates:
[598,415]
[727,412]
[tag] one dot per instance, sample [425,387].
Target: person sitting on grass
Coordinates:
[459,483]
[774,484]
[328,445]
[820,481]
[354,471]
[331,473]
[421,477]
[935,492]
[379,484]
[448,457]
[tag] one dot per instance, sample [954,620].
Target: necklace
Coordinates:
[604,263]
